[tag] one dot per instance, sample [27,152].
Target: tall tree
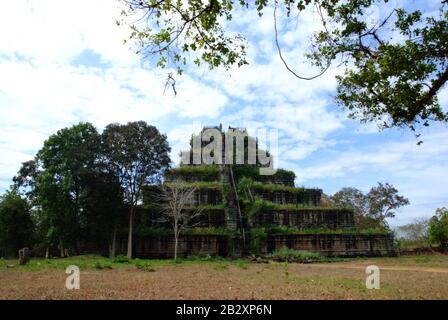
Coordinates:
[394,67]
[137,154]
[416,232]
[373,208]
[353,198]
[384,200]
[67,159]
[72,193]
[102,204]
[16,224]
[438,228]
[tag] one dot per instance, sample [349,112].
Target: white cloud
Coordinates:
[43,88]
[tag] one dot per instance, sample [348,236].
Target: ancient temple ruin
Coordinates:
[248,213]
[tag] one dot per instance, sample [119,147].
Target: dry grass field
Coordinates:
[408,277]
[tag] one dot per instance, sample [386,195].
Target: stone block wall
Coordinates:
[348,245]
[159,247]
[210,218]
[307,218]
[309,197]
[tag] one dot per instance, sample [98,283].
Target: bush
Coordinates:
[121,259]
[257,238]
[144,266]
[284,254]
[103,265]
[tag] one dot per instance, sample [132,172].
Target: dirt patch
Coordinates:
[255,281]
[388,268]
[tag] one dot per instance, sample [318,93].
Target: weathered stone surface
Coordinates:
[158,247]
[309,197]
[348,245]
[307,218]
[24,256]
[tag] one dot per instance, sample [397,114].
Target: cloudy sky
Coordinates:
[65,62]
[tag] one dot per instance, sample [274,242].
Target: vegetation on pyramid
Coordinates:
[257,213]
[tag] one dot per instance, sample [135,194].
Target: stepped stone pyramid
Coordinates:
[246,212]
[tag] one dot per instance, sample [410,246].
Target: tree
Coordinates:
[352,198]
[416,232]
[102,204]
[438,228]
[394,67]
[384,200]
[16,224]
[71,191]
[137,154]
[175,201]
[68,158]
[373,208]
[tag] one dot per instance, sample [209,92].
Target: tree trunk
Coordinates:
[131,217]
[61,248]
[77,249]
[113,245]
[176,238]
[47,252]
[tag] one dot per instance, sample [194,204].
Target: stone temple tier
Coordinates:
[248,213]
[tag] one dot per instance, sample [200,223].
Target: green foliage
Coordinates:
[103,265]
[271,187]
[285,175]
[80,183]
[137,154]
[257,238]
[393,68]
[67,159]
[252,172]
[438,228]
[257,205]
[284,254]
[293,207]
[143,265]
[156,231]
[203,170]
[277,229]
[371,209]
[413,234]
[393,81]
[16,224]
[201,185]
[121,259]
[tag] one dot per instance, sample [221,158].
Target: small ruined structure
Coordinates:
[24,256]
[247,212]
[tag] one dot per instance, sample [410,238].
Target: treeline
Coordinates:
[82,185]
[424,232]
[371,210]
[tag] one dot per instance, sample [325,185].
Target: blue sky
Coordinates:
[61,64]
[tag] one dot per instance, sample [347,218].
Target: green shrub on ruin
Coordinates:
[277,229]
[201,185]
[161,232]
[273,187]
[206,172]
[285,254]
[300,207]
[257,238]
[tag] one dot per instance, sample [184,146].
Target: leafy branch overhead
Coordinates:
[393,68]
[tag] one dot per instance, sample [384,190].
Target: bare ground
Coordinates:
[345,280]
